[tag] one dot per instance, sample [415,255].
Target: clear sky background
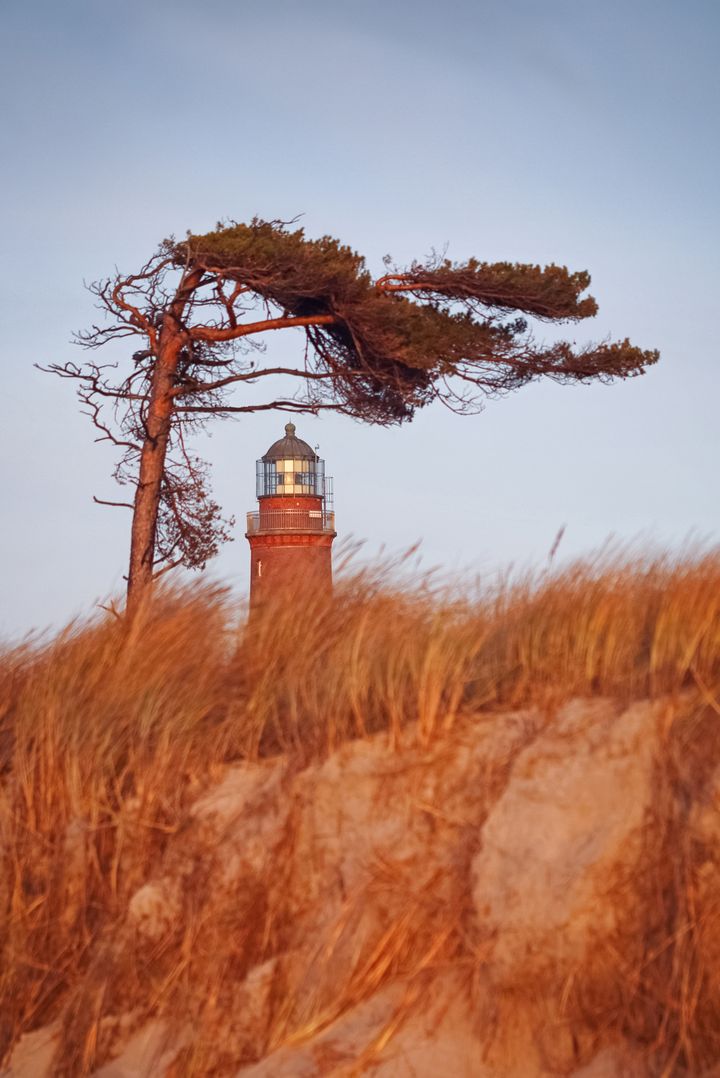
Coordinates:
[575,132]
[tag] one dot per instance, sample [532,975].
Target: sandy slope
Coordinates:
[491,907]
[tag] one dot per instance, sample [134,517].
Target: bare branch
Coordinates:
[279,405]
[205,333]
[251,376]
[119,505]
[166,568]
[111,609]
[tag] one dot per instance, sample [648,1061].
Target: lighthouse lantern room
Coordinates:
[292,531]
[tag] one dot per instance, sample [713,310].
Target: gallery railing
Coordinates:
[290,520]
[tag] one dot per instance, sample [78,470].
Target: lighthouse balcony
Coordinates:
[269,521]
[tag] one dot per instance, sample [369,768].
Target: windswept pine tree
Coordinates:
[376,349]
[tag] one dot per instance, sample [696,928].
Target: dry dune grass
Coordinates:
[106,733]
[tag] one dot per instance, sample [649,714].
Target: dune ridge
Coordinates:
[408,831]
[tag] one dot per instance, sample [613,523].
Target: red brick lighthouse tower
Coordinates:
[292,532]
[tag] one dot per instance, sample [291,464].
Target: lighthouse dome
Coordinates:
[290,447]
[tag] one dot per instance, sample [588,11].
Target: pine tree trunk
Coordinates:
[152,465]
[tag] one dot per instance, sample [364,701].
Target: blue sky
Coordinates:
[579,133]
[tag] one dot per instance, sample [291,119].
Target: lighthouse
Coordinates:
[291,533]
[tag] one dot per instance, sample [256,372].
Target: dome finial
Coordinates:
[290,430]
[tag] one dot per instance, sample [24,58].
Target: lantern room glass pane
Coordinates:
[290,477]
